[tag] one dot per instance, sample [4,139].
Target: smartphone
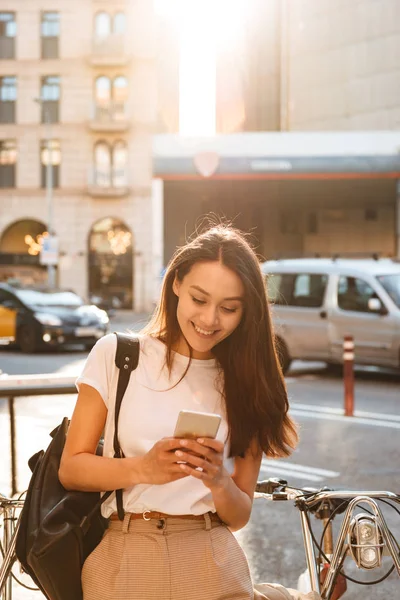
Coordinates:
[193,425]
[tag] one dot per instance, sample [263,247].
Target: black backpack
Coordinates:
[60,528]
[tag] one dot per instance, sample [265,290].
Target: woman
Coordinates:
[208,348]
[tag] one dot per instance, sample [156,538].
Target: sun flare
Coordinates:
[206,28]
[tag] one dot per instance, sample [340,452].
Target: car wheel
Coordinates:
[27,340]
[283,355]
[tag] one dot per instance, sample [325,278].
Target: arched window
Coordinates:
[102,24]
[119,160]
[102,161]
[111,263]
[22,237]
[120,89]
[119,23]
[120,96]
[103,90]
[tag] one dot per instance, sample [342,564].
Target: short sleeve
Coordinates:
[99,365]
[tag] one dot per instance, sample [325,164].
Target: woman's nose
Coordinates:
[209,316]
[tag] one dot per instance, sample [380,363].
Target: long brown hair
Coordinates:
[254,388]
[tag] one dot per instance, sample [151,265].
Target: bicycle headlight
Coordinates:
[366,542]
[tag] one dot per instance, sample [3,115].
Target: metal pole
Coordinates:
[49,192]
[348,375]
[310,554]
[11,413]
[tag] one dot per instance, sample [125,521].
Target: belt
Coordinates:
[147,515]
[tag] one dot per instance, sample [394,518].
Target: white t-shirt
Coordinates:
[149,412]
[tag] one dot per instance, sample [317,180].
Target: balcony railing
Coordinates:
[109,50]
[109,117]
[108,182]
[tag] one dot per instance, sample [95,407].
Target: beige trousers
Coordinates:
[173,559]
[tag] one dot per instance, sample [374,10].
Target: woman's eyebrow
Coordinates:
[199,289]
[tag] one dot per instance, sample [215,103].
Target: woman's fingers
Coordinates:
[204,446]
[198,461]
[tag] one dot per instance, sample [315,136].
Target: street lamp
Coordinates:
[51,271]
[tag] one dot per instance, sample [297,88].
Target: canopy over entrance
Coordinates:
[293,155]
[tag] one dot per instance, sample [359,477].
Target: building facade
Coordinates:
[77,113]
[306,65]
[342,61]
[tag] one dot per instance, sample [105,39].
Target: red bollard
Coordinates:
[348,375]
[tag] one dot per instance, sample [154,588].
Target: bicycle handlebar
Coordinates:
[278,490]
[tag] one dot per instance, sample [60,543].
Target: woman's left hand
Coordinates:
[203,459]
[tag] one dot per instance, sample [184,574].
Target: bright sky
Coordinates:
[206,27]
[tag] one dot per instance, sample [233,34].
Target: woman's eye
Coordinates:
[229,310]
[197,301]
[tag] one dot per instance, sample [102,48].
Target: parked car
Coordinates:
[316,302]
[36,318]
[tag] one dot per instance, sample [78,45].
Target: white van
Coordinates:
[317,302]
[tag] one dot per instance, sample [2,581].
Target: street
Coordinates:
[361,452]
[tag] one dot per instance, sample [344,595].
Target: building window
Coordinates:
[120,90]
[50,154]
[8,31]
[102,25]
[103,91]
[8,161]
[119,23]
[8,97]
[119,160]
[102,161]
[111,97]
[50,96]
[110,164]
[50,32]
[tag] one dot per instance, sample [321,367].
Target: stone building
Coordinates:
[78,103]
[343,65]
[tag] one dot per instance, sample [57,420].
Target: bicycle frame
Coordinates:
[336,551]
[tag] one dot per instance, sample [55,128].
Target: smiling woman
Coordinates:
[206,28]
[208,349]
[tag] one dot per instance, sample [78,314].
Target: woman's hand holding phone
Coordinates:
[203,459]
[160,464]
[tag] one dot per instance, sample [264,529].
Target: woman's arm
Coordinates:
[81,469]
[232,495]
[234,498]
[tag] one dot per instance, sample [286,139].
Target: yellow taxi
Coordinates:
[34,318]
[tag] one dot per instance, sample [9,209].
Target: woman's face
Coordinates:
[210,307]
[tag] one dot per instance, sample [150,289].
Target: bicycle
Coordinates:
[10,510]
[363,536]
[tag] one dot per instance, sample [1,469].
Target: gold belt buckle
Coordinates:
[144,517]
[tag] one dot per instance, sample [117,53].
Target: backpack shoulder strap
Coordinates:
[126,360]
